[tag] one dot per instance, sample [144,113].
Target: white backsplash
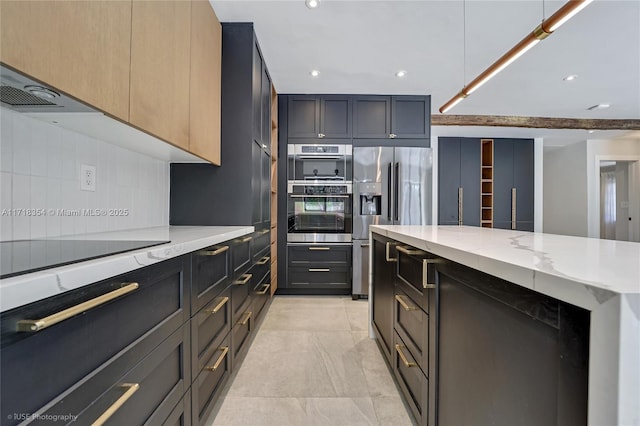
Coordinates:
[40,175]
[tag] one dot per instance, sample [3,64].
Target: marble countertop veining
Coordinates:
[534,260]
[27,288]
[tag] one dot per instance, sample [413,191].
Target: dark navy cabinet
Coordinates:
[238,191]
[459,181]
[71,364]
[513,184]
[391,117]
[383,269]
[319,117]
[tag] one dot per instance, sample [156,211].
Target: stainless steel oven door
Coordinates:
[319,218]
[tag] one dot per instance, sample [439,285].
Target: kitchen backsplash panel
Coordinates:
[40,182]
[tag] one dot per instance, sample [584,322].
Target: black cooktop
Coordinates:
[24,256]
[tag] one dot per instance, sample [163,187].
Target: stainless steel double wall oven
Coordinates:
[319,193]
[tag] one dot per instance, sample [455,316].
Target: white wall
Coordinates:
[40,169]
[565,190]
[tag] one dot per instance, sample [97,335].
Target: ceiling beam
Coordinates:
[534,122]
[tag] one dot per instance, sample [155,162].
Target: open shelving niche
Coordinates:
[274,189]
[486,183]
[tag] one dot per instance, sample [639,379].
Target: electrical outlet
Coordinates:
[87,178]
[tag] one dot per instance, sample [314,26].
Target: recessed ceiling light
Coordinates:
[312,4]
[599,106]
[401,73]
[570,77]
[591,131]
[314,73]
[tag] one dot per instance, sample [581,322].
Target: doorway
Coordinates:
[619,200]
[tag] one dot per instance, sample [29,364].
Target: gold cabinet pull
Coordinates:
[213,252]
[215,310]
[460,205]
[319,270]
[243,281]
[513,208]
[225,350]
[403,357]
[410,252]
[246,319]
[264,231]
[264,290]
[319,248]
[42,323]
[404,304]
[425,266]
[131,388]
[246,239]
[387,255]
[263,261]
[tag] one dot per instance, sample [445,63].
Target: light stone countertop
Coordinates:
[602,276]
[27,288]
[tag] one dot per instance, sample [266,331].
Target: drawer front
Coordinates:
[412,325]
[241,335]
[261,241]
[240,291]
[181,414]
[261,295]
[240,255]
[413,383]
[148,393]
[320,277]
[300,255]
[261,267]
[207,387]
[416,273]
[79,345]
[210,273]
[208,328]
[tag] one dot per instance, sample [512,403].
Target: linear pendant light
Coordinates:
[541,32]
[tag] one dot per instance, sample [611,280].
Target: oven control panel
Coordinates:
[325,190]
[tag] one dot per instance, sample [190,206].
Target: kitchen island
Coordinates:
[599,276]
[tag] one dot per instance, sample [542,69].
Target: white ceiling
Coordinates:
[359,45]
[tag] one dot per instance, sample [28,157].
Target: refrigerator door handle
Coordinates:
[396,193]
[389,192]
[460,205]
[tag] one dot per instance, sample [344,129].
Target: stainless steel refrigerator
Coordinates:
[391,186]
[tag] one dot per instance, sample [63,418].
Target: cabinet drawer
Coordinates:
[261,295]
[413,383]
[181,414]
[240,255]
[261,240]
[300,255]
[261,267]
[240,291]
[210,382]
[320,277]
[416,273]
[77,346]
[210,272]
[240,335]
[208,328]
[412,325]
[149,391]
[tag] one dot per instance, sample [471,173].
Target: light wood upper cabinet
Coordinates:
[160,69]
[206,72]
[78,47]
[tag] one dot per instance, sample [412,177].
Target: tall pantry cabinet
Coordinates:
[486,182]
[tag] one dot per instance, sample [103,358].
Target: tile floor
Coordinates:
[312,363]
